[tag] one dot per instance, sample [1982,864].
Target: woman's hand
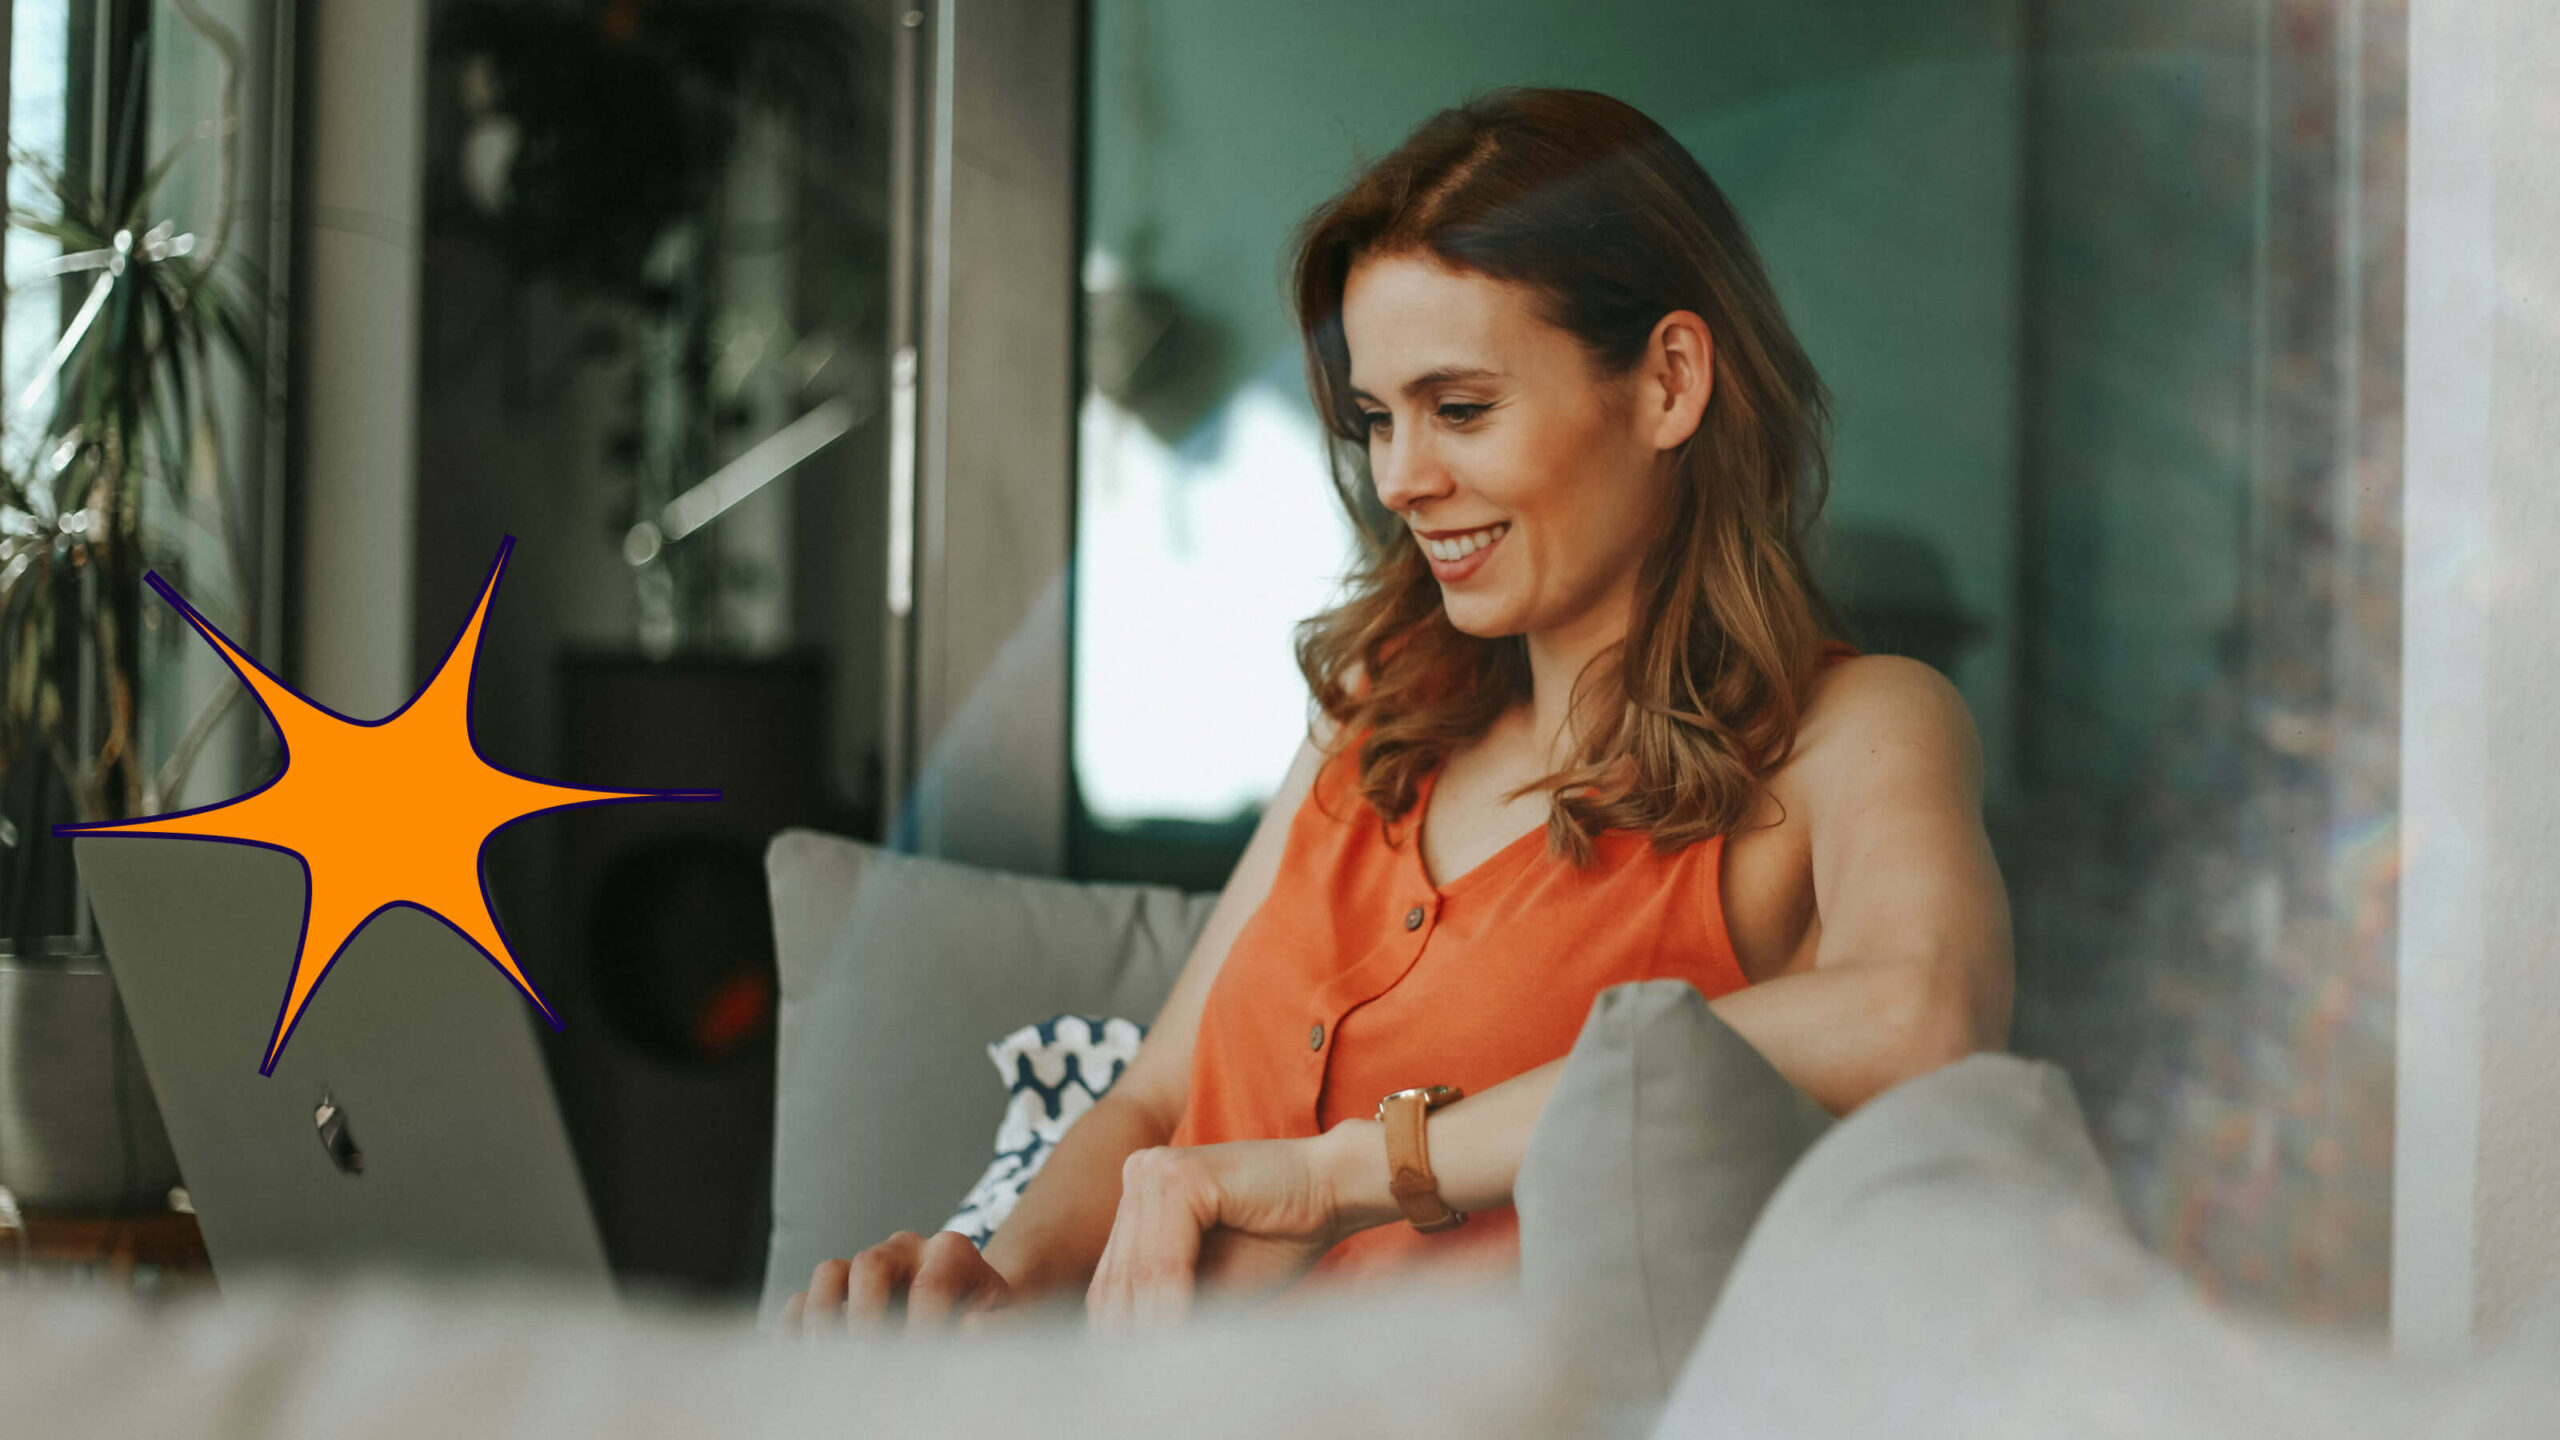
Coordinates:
[936,1278]
[1248,1215]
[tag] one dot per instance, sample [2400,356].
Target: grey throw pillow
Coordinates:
[1662,1140]
[895,970]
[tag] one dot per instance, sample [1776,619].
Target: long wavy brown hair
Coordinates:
[1613,225]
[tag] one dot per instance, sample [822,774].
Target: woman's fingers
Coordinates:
[880,1276]
[1170,1257]
[932,1278]
[1118,1278]
[1145,1274]
[826,1290]
[949,1273]
[1106,1301]
[1101,1305]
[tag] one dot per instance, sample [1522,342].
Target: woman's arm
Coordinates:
[1817,1028]
[1912,971]
[1254,1214]
[1056,1232]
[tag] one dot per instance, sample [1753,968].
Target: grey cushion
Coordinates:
[1951,1261]
[388,1358]
[1663,1138]
[897,972]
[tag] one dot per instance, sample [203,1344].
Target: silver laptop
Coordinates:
[409,1123]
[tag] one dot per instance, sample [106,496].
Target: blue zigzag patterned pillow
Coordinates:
[1055,1070]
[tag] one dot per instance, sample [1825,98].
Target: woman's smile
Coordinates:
[1460,556]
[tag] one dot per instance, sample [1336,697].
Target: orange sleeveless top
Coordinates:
[1358,976]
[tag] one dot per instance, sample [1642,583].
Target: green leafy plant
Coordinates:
[130,442]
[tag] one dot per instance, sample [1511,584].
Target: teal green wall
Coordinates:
[2145,379]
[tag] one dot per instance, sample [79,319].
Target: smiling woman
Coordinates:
[1472,278]
[1585,719]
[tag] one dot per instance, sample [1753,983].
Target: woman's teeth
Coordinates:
[1461,546]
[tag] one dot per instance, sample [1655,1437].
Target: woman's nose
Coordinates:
[1405,473]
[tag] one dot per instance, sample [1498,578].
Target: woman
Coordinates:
[1542,327]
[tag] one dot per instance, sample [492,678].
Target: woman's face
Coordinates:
[1492,430]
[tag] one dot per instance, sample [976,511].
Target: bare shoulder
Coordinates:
[1873,718]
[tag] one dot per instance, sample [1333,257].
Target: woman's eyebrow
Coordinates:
[1441,376]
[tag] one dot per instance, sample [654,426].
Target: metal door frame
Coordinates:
[986,187]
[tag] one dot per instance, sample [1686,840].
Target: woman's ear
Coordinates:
[1679,375]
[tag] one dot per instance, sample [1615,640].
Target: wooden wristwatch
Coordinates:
[1409,1176]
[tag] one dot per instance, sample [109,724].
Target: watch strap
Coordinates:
[1409,1177]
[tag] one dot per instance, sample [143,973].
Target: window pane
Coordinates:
[39,67]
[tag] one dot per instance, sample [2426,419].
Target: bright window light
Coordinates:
[1190,571]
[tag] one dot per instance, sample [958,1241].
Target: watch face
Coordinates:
[1431,1096]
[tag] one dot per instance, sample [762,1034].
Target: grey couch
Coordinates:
[1700,1257]
[897,972]
[1706,1250]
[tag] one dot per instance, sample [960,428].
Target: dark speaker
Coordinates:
[667,997]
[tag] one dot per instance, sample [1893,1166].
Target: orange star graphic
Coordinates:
[387,812]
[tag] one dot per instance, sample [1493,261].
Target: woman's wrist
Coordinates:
[1353,1168]
[1022,1271]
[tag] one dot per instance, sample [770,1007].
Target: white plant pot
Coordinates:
[80,1130]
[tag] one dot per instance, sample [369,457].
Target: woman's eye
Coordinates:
[1456,414]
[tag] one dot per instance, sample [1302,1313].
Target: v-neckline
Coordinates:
[1467,878]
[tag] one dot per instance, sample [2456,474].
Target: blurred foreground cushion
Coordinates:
[895,971]
[1663,1138]
[1950,1261]
[395,1360]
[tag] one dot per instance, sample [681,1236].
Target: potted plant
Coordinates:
[126,464]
